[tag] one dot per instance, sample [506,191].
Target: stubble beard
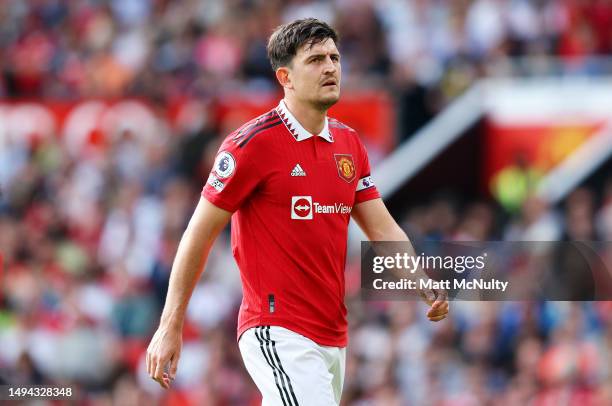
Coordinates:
[325,103]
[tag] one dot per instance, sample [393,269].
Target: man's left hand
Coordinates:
[438,300]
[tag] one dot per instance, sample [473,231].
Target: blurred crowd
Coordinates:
[87,255]
[87,242]
[426,51]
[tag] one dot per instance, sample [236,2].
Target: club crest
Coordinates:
[346,167]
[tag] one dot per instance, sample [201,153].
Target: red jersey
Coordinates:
[292,194]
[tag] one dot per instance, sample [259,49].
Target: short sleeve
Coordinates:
[233,176]
[366,189]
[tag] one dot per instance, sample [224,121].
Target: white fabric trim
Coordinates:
[296,129]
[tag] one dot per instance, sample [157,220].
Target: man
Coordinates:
[290,180]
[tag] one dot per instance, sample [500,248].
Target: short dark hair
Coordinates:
[288,38]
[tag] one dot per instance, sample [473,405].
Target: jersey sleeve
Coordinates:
[366,189]
[233,176]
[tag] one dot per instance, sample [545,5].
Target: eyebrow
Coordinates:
[320,55]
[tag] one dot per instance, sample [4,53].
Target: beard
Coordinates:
[324,103]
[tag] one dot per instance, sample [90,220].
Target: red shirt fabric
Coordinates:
[291,193]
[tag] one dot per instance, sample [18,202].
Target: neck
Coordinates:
[312,119]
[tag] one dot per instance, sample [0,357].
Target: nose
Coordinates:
[330,66]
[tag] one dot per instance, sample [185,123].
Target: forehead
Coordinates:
[325,47]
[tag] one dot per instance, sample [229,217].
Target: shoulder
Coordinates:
[254,130]
[341,131]
[340,126]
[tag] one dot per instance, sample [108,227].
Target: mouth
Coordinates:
[329,82]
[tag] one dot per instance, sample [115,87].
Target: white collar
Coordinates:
[296,129]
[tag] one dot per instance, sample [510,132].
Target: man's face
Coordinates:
[315,74]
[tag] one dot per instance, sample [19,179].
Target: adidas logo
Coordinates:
[298,171]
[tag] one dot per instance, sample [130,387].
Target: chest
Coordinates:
[313,172]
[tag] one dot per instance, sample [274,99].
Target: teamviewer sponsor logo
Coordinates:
[301,207]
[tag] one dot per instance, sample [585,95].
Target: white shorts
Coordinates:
[290,369]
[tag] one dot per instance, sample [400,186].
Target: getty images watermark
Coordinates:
[487,270]
[413,263]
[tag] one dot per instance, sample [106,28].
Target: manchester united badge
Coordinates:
[346,167]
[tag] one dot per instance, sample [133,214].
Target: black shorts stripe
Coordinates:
[283,377]
[245,140]
[281,366]
[259,330]
[249,127]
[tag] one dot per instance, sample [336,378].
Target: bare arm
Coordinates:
[205,225]
[378,225]
[376,221]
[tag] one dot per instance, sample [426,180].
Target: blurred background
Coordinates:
[484,120]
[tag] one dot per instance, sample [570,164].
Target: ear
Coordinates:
[283,75]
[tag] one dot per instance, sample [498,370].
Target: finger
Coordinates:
[437,308]
[163,382]
[159,369]
[149,362]
[431,314]
[440,300]
[173,366]
[437,312]
[437,318]
[168,379]
[153,365]
[442,308]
